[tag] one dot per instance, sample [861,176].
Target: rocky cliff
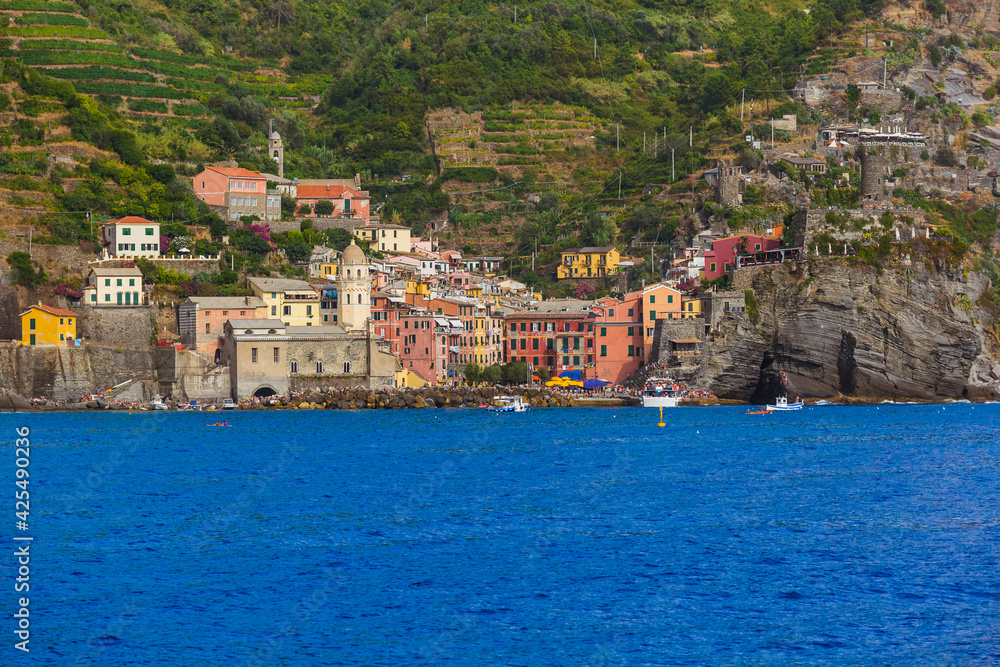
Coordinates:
[841,327]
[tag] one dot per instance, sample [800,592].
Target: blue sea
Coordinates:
[831,536]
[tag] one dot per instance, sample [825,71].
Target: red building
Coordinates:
[558,334]
[347,202]
[721,259]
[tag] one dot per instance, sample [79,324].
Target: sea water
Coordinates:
[834,535]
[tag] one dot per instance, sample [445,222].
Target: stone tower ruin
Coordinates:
[874,170]
[727,189]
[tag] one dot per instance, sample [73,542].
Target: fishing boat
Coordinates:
[229,404]
[781,403]
[508,404]
[660,393]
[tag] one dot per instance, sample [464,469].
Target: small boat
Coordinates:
[508,404]
[759,412]
[228,404]
[660,393]
[158,403]
[781,403]
[211,407]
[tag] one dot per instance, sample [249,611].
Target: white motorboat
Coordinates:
[158,403]
[781,403]
[508,404]
[229,404]
[660,393]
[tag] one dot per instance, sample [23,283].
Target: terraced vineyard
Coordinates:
[55,38]
[515,137]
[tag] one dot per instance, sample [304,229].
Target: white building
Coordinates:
[114,287]
[131,236]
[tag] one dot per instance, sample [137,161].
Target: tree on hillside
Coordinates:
[24,273]
[597,231]
[338,238]
[492,374]
[324,207]
[305,208]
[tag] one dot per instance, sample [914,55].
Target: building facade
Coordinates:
[201,320]
[131,237]
[294,302]
[720,259]
[114,287]
[240,191]
[592,262]
[558,334]
[46,325]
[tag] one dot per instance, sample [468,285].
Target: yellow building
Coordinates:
[592,262]
[690,307]
[45,325]
[294,302]
[385,238]
[418,287]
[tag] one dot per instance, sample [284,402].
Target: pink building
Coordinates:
[241,191]
[424,345]
[347,202]
[201,319]
[618,339]
[721,259]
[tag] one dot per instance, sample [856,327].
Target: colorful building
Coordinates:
[659,301]
[45,325]
[347,202]
[591,262]
[619,338]
[242,192]
[201,320]
[386,238]
[558,334]
[720,259]
[294,302]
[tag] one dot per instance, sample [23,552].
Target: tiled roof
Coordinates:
[110,272]
[235,171]
[226,302]
[51,310]
[132,220]
[327,191]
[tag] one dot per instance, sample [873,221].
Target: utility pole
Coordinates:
[751,123]
[617,135]
[515,13]
[772,133]
[742,101]
[691,136]
[656,143]
[643,142]
[619,184]
[672,179]
[595,48]
[885,70]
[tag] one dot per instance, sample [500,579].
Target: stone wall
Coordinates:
[65,373]
[853,224]
[188,267]
[885,100]
[667,330]
[56,259]
[874,170]
[10,311]
[122,325]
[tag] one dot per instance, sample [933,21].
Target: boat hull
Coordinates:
[783,408]
[660,401]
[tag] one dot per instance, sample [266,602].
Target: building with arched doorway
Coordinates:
[114,287]
[265,355]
